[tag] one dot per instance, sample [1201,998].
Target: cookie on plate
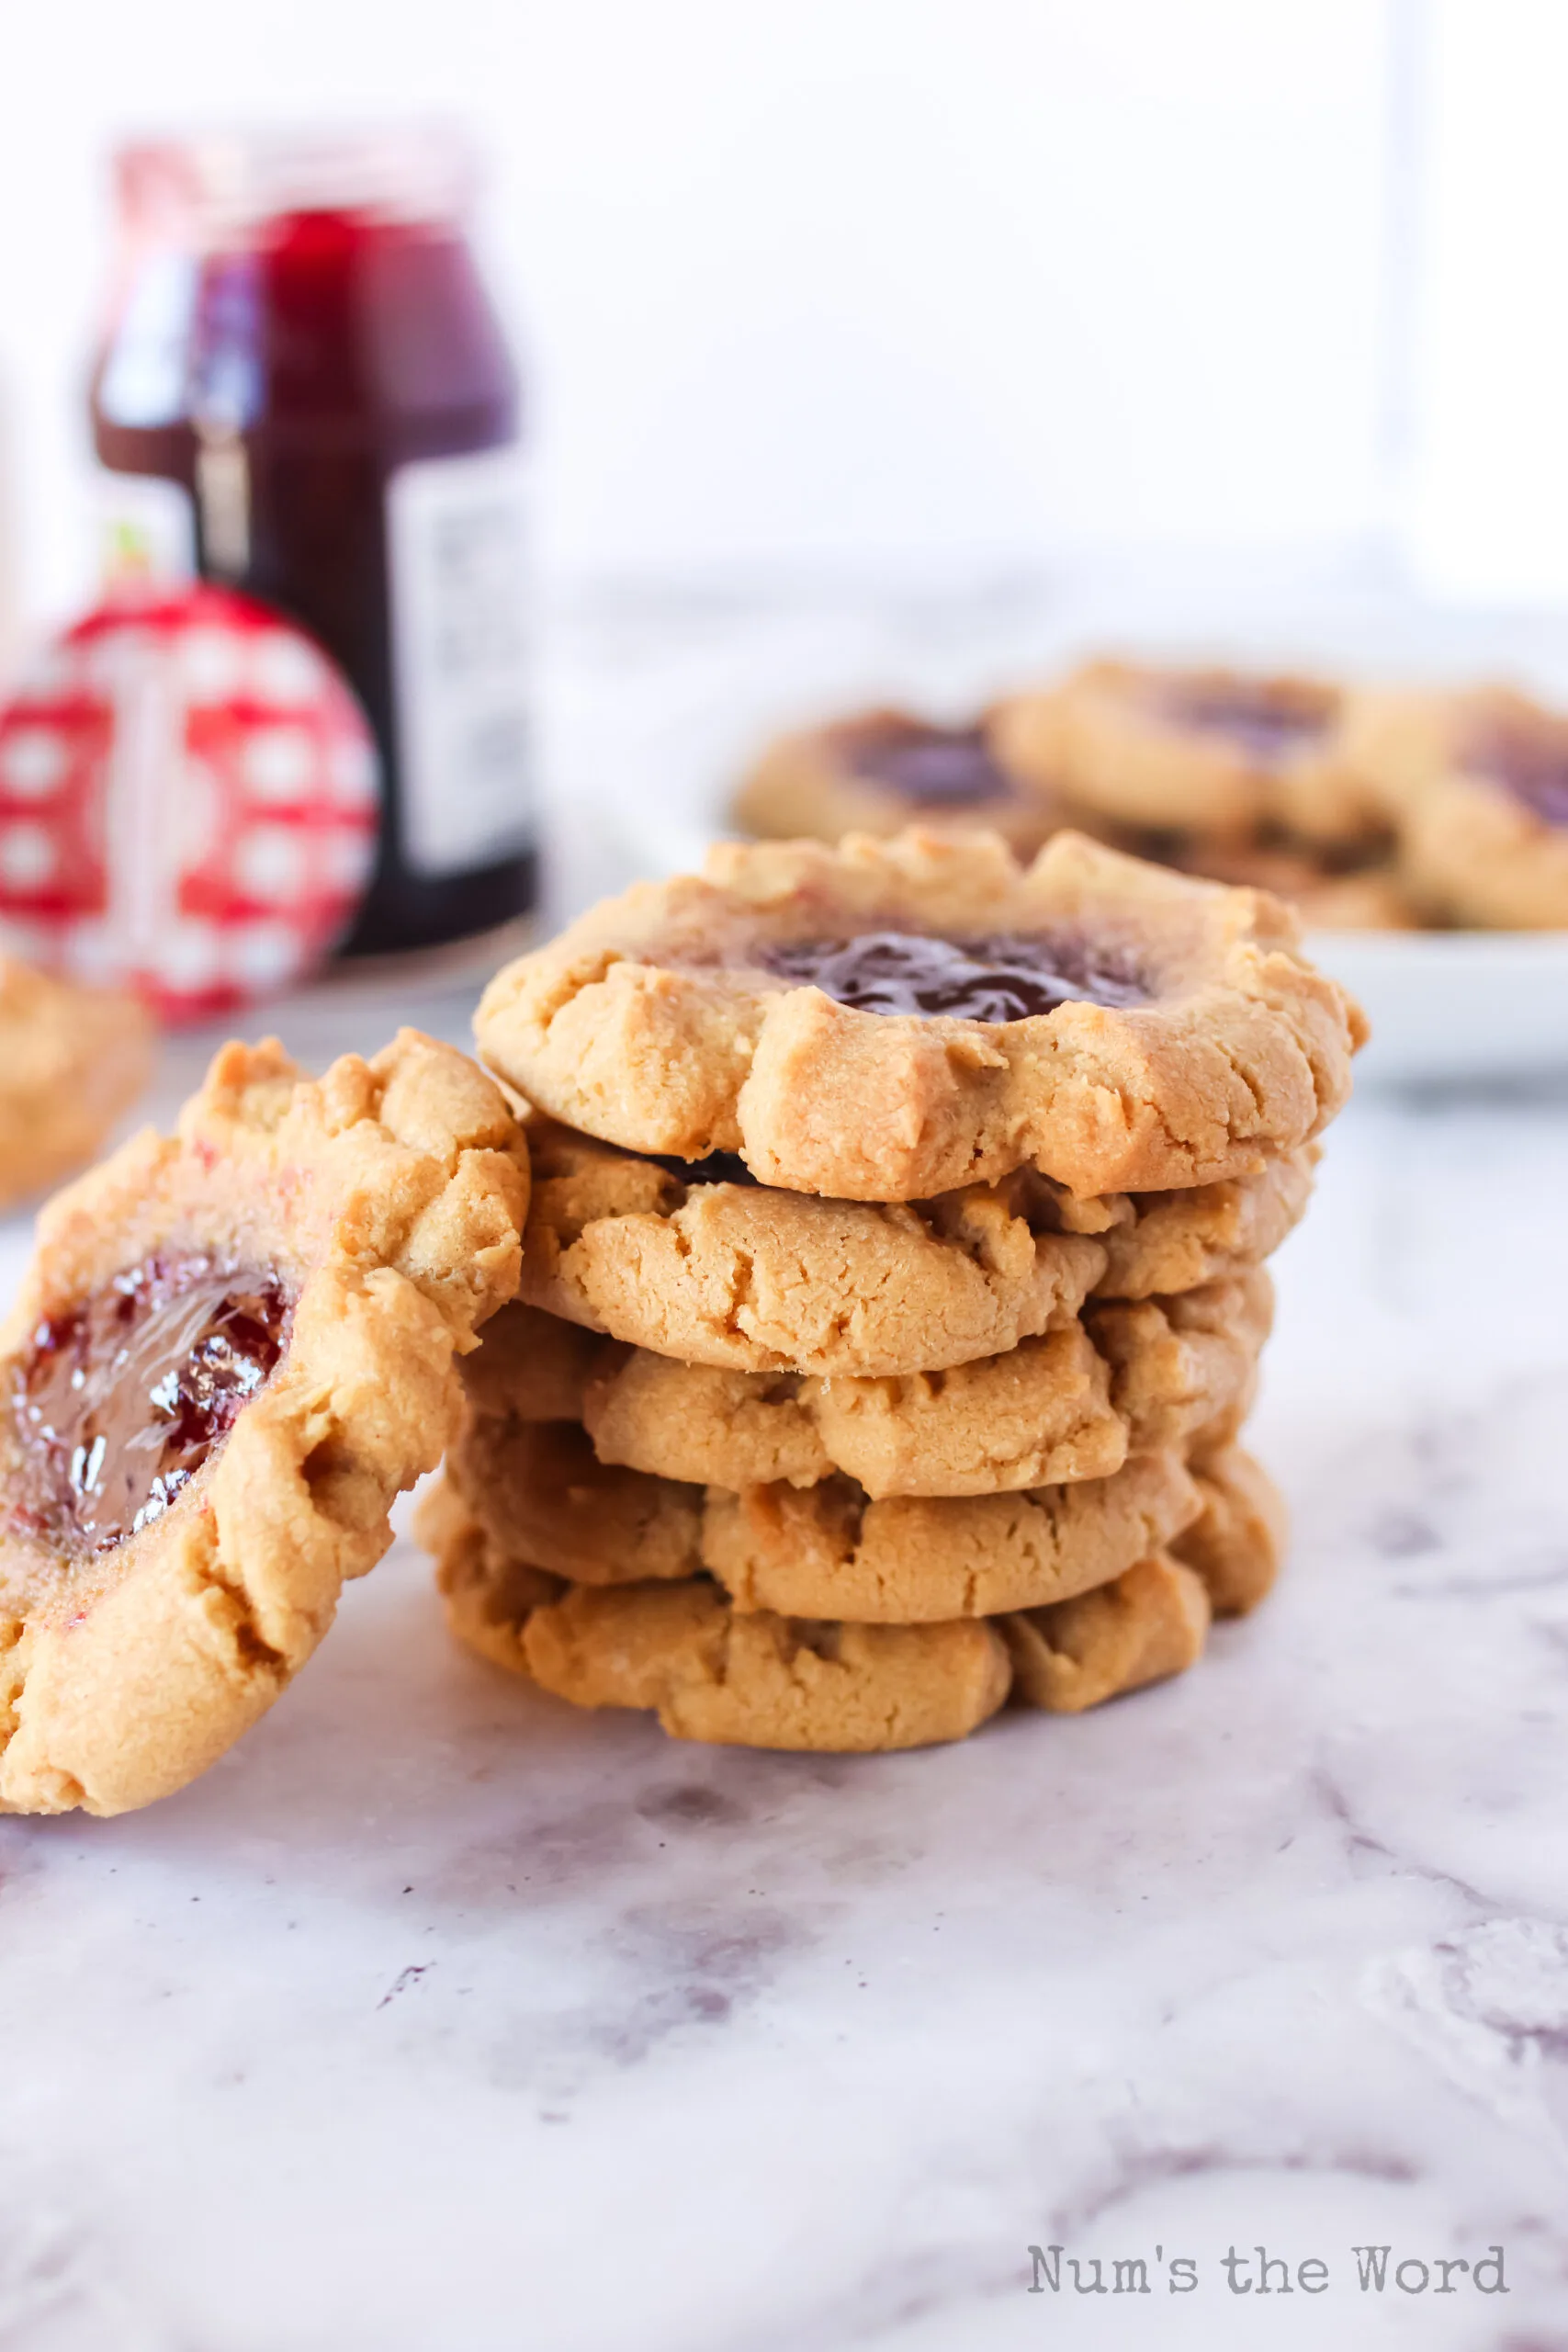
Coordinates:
[1486,842]
[884,769]
[71,1059]
[233,1348]
[1214,751]
[891,1020]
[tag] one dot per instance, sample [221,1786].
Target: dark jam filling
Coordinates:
[947,768]
[1530,763]
[1255,718]
[1003,978]
[119,1401]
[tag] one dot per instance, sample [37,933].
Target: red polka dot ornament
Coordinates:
[189,801]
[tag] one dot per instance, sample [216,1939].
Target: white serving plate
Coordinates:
[1460,1007]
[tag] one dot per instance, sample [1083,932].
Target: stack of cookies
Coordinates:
[893,1287]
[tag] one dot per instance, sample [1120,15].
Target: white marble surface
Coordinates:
[438,2015]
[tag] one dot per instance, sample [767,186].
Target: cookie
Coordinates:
[884,769]
[1183,1367]
[1239,1540]
[890,1020]
[1040,1415]
[541,1495]
[1150,1623]
[763,1681]
[703,1264]
[488,1596]
[1218,752]
[233,1348]
[1160,1243]
[71,1059]
[1328,894]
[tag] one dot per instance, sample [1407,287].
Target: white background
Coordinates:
[905,286]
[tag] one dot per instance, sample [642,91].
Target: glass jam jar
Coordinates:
[304,391]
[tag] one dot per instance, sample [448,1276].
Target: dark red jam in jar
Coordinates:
[304,391]
[119,1401]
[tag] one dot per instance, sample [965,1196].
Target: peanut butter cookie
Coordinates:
[71,1059]
[701,1263]
[1219,752]
[1043,1414]
[891,1020]
[233,1348]
[1150,1623]
[541,1495]
[885,769]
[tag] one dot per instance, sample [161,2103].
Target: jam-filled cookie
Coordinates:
[542,1495]
[884,770]
[701,1263]
[1480,783]
[234,1347]
[1039,1415]
[71,1059]
[1210,750]
[890,1020]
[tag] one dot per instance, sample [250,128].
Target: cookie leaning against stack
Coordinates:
[892,1288]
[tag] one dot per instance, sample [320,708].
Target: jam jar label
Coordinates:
[455,536]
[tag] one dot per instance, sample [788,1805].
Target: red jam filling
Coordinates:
[946,767]
[118,1401]
[1258,719]
[1530,763]
[1004,978]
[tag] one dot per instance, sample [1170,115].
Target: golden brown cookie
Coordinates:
[488,1596]
[541,1495]
[1329,895]
[1238,1542]
[1039,1415]
[1218,752]
[695,1264]
[71,1059]
[1181,1366]
[701,1264]
[763,1681]
[891,1020]
[709,1672]
[233,1348]
[884,769]
[1159,1243]
[1150,1623]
